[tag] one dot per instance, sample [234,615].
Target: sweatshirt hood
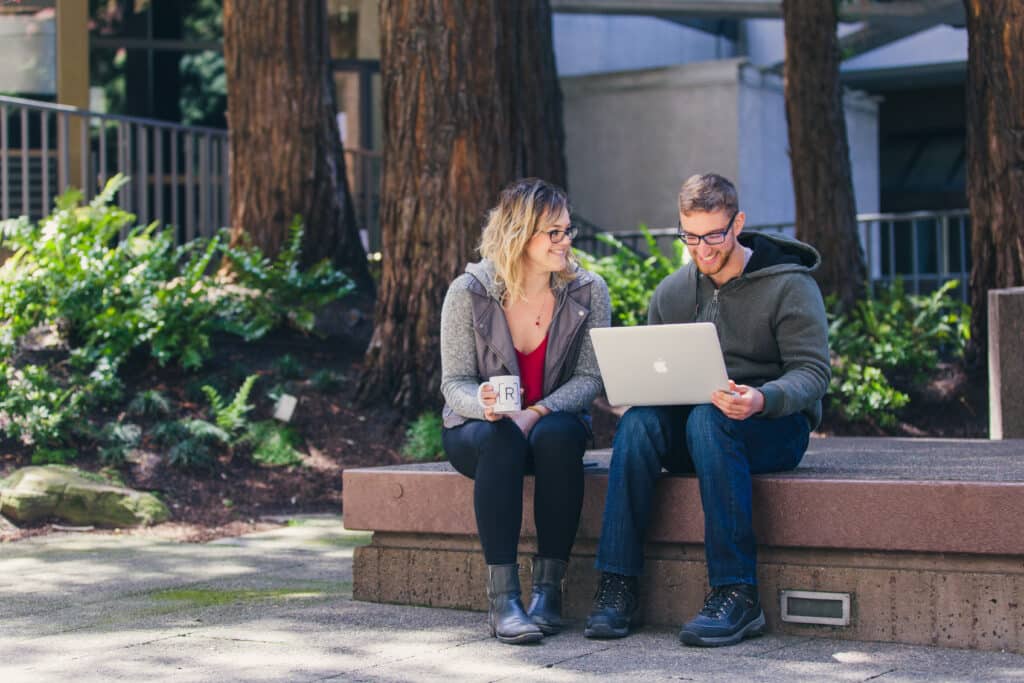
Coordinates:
[777,254]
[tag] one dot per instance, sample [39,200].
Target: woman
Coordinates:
[525,309]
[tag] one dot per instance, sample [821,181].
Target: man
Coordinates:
[758,291]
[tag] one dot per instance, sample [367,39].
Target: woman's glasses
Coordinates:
[557,236]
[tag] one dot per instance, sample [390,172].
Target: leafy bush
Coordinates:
[631,277]
[149,403]
[423,439]
[893,338]
[288,367]
[117,438]
[231,416]
[113,291]
[326,382]
[277,291]
[273,444]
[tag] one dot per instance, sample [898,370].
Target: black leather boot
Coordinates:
[546,604]
[509,623]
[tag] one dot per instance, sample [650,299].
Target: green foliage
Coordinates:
[191,443]
[52,456]
[631,277]
[423,439]
[288,367]
[279,291]
[326,382]
[273,444]
[149,403]
[117,438]
[893,338]
[114,291]
[231,417]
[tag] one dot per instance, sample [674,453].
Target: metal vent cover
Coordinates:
[815,607]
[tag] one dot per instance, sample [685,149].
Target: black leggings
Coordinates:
[497,456]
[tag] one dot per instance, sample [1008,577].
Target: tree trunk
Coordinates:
[285,150]
[826,211]
[471,102]
[995,154]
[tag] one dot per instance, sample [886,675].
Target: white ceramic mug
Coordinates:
[508,393]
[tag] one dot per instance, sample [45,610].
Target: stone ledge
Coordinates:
[826,503]
[926,536]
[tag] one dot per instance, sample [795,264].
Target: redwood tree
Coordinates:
[826,211]
[471,101]
[995,152]
[285,150]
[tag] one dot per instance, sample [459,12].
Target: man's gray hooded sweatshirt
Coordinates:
[770,320]
[476,342]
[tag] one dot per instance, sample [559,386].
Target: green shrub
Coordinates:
[631,277]
[273,444]
[892,340]
[423,439]
[277,291]
[117,438]
[231,417]
[113,290]
[149,403]
[326,382]
[288,367]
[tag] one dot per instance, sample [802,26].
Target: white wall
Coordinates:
[632,138]
[597,43]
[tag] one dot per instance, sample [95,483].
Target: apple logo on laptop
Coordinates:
[660,366]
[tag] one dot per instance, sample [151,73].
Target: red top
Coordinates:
[531,373]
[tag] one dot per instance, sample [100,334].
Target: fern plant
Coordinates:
[231,417]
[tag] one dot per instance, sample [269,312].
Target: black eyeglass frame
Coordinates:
[711,239]
[571,232]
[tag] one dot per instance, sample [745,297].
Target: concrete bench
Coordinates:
[926,537]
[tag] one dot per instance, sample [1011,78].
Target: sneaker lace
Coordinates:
[612,592]
[719,601]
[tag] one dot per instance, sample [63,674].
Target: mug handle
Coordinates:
[479,389]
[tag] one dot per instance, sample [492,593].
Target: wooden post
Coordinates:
[73,77]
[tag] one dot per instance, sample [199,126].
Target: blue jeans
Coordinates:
[723,453]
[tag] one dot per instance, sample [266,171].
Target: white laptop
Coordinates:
[657,365]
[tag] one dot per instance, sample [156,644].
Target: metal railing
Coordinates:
[924,249]
[178,174]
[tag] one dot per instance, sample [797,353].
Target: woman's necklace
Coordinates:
[540,312]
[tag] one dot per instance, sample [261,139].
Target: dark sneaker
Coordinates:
[615,604]
[730,614]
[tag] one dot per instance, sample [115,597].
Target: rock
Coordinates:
[33,494]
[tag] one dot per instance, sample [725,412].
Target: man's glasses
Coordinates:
[557,236]
[711,239]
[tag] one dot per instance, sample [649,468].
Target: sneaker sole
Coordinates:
[605,632]
[751,630]
[523,639]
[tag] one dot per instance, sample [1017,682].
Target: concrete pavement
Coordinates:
[277,606]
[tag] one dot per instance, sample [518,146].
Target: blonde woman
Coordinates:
[525,309]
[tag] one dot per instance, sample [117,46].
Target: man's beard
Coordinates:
[718,265]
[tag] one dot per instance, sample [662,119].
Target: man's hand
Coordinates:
[740,402]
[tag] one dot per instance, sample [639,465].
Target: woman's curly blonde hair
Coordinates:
[523,208]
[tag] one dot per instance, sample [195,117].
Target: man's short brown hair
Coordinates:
[708,192]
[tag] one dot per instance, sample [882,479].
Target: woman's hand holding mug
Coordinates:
[499,396]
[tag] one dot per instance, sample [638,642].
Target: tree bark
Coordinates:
[995,154]
[471,102]
[826,210]
[285,150]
